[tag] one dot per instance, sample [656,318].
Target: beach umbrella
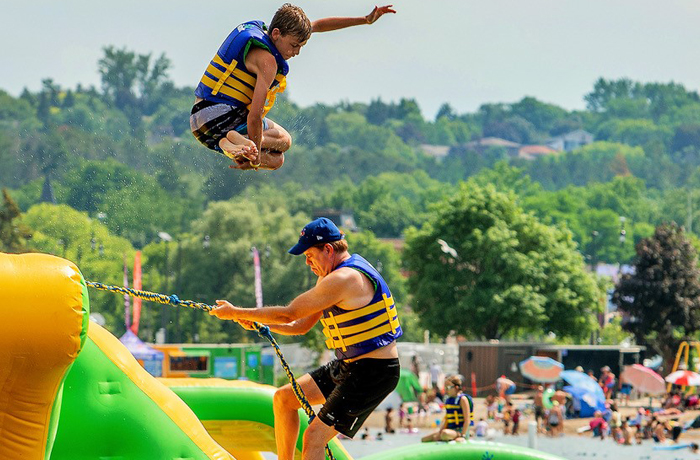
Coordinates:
[541,369]
[581,380]
[644,379]
[684,378]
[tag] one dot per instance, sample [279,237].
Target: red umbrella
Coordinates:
[684,378]
[644,379]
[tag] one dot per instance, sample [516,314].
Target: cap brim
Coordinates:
[298,249]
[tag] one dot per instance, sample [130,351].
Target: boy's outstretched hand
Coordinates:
[378,12]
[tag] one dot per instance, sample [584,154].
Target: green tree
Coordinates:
[13,233]
[482,266]
[133,82]
[67,233]
[216,263]
[662,297]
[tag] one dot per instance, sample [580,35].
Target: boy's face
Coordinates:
[288,45]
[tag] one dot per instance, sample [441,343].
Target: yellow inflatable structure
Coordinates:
[107,406]
[44,318]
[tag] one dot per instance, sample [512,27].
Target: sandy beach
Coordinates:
[572,445]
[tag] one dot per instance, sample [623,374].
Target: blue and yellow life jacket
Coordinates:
[356,332]
[227,80]
[454,413]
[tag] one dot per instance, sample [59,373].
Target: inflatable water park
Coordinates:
[70,389]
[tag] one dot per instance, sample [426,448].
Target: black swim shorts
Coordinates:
[353,390]
[210,121]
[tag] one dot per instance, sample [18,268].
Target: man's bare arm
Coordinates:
[330,291]
[329,24]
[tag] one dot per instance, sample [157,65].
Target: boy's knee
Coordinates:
[276,160]
[285,142]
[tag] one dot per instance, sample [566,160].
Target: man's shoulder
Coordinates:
[344,275]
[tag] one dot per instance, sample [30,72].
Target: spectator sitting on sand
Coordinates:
[598,425]
[480,429]
[626,432]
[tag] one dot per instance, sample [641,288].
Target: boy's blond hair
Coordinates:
[291,20]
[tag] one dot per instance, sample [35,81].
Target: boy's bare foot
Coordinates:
[246,149]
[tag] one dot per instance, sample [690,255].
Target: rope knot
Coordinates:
[175,300]
[264,331]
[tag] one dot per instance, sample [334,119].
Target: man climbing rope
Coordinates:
[360,322]
[241,83]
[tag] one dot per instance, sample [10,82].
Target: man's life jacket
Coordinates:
[356,332]
[454,413]
[228,81]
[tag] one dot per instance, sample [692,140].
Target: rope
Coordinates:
[262,330]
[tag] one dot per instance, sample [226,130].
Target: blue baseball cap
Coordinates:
[321,230]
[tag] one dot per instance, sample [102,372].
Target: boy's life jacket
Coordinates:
[228,81]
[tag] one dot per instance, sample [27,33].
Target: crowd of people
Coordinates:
[505,413]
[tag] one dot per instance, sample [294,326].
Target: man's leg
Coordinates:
[285,406]
[316,436]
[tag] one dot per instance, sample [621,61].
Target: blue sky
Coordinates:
[465,52]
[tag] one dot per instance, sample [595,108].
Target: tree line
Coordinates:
[123,168]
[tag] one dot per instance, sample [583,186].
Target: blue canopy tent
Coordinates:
[585,391]
[150,359]
[586,400]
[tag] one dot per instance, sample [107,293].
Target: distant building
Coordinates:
[530,152]
[489,360]
[344,218]
[436,151]
[481,145]
[571,140]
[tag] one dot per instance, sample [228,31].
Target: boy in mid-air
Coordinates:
[241,82]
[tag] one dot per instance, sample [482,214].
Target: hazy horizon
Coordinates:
[466,53]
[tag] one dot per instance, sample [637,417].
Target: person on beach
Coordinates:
[491,407]
[607,382]
[626,432]
[243,79]
[459,413]
[480,428]
[555,420]
[507,416]
[402,414]
[599,427]
[539,409]
[615,423]
[360,321]
[516,421]
[389,421]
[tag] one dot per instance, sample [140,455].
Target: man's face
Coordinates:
[320,260]
[288,45]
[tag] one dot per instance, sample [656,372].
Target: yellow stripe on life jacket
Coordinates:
[228,91]
[229,68]
[238,73]
[343,337]
[232,81]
